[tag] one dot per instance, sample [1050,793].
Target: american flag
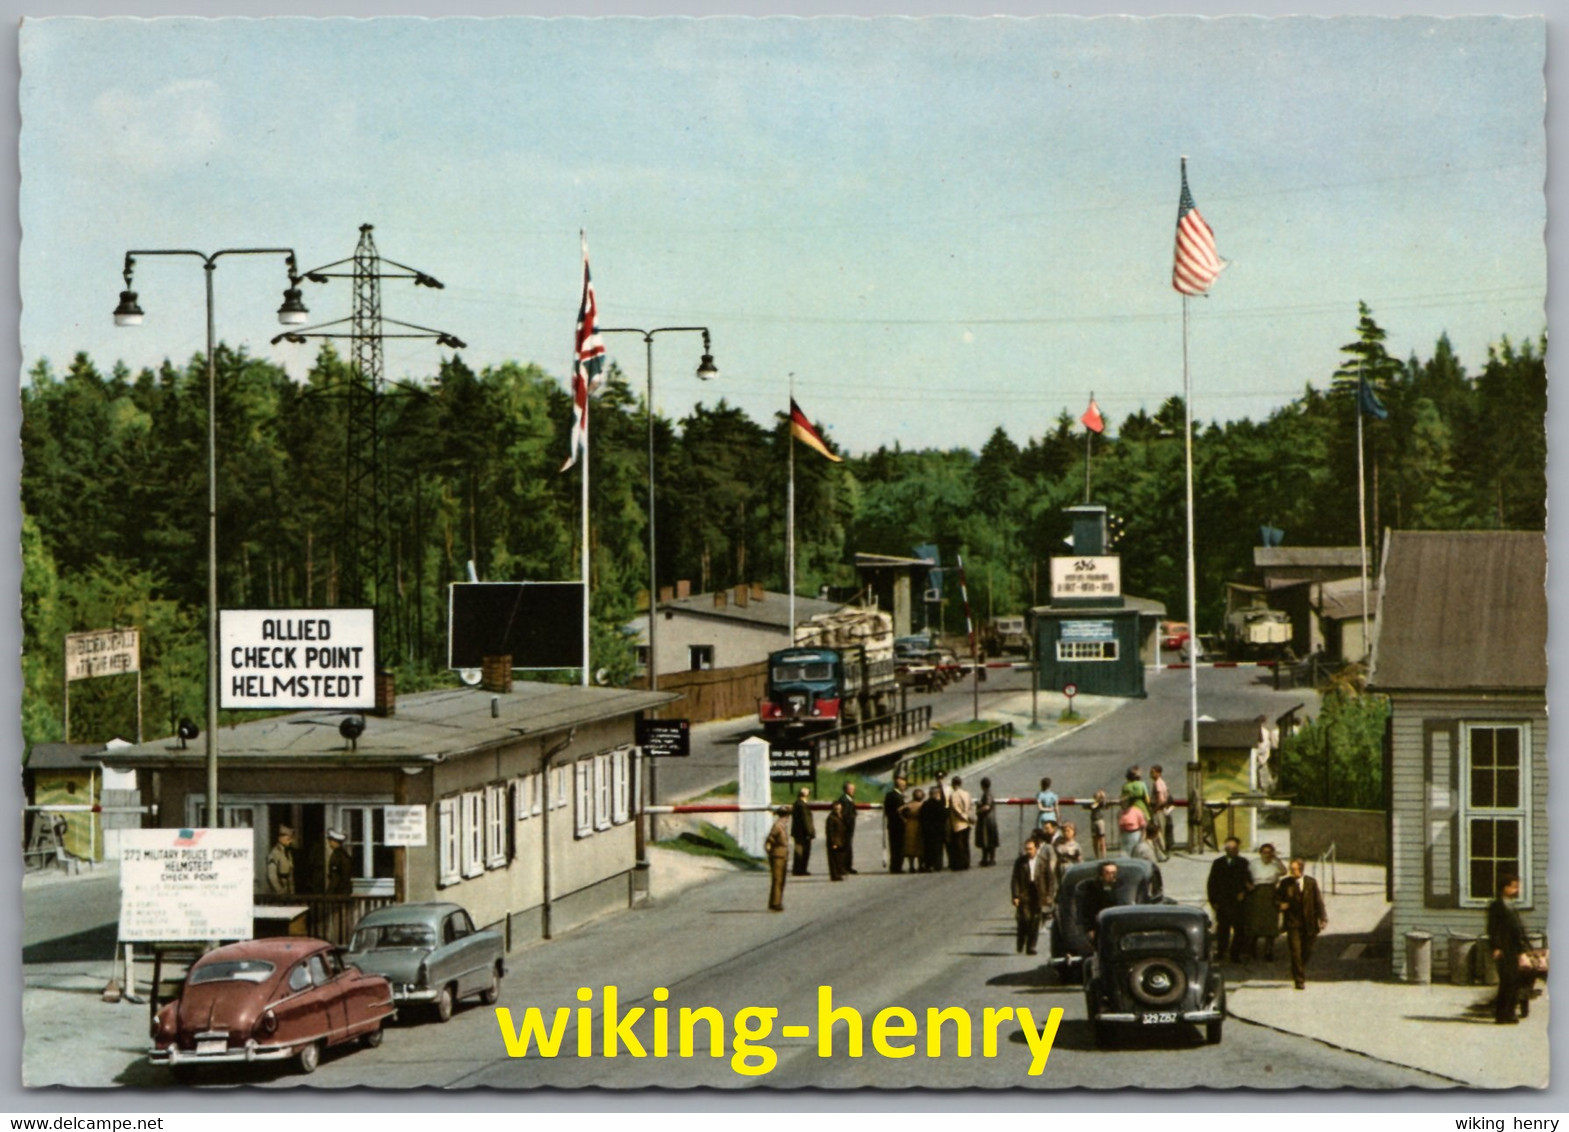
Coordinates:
[189,838]
[1197,261]
[588,363]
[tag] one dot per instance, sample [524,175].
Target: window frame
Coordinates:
[583,812]
[449,836]
[1074,652]
[1521,812]
[496,825]
[472,809]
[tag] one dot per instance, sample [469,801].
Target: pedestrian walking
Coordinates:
[959,803]
[1045,804]
[986,837]
[1511,948]
[1227,889]
[847,813]
[1033,886]
[1261,916]
[1133,786]
[1067,849]
[1131,823]
[1302,910]
[893,823]
[777,849]
[803,831]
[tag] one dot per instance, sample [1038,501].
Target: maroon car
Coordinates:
[268,1000]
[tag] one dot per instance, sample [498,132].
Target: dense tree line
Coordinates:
[114,499]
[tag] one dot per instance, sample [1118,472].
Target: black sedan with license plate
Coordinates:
[1151,968]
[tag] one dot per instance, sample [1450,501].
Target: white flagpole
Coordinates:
[1193,623]
[1362,511]
[790,509]
[587,664]
[1088,433]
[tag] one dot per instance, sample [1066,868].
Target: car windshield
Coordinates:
[1159,940]
[794,673]
[232,970]
[393,935]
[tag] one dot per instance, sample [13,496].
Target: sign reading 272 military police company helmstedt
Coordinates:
[297,658]
[186,884]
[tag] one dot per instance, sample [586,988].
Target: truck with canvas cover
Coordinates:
[841,670]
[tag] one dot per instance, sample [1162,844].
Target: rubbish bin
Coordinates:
[1486,968]
[1462,958]
[1419,957]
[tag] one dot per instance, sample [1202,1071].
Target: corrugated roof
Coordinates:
[1223,733]
[1342,599]
[1274,557]
[1462,610]
[772,610]
[428,727]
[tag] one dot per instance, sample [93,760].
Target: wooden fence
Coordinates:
[718,693]
[331,918]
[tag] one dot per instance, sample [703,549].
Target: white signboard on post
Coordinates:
[1086,576]
[404,825]
[186,884]
[297,658]
[107,652]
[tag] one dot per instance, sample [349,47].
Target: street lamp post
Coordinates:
[705,370]
[291,313]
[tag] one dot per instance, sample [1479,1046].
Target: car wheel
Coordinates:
[492,992]
[1157,981]
[1212,1032]
[373,1039]
[443,1004]
[309,1057]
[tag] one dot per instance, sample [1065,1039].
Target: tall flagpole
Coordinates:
[1193,623]
[1088,433]
[1362,510]
[790,512]
[587,666]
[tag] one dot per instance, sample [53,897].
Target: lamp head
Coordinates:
[451,341]
[293,312]
[706,368]
[127,313]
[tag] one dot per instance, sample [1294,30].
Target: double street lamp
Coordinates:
[291,313]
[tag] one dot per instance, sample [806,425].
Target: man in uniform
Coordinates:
[803,830]
[777,849]
[280,864]
[340,867]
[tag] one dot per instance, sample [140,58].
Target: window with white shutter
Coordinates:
[473,833]
[621,786]
[496,826]
[602,791]
[449,839]
[584,771]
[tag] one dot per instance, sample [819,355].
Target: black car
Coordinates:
[1151,967]
[1138,882]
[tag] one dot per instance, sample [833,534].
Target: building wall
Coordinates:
[1424,801]
[735,643]
[1123,676]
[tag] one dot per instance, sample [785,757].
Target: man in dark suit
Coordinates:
[895,824]
[1097,897]
[803,830]
[1302,908]
[1229,883]
[847,814]
[934,828]
[1034,887]
[837,840]
[1506,936]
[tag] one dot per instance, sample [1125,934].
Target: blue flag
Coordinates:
[1368,402]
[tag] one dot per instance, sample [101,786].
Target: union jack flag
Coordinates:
[588,363]
[1197,262]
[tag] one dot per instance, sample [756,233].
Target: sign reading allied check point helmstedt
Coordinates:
[178,884]
[297,658]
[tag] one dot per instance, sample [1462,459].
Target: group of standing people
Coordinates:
[925,828]
[284,878]
[1255,900]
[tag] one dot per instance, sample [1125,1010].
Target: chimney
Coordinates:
[684,588]
[741,594]
[665,595]
[386,694]
[757,591]
[496,674]
[720,599]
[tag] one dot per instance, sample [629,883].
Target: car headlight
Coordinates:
[268,1024]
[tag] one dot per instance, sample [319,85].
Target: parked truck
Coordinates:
[1006,635]
[841,670]
[1258,632]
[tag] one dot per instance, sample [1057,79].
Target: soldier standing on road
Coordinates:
[837,841]
[1506,936]
[958,825]
[893,801]
[280,864]
[1034,887]
[847,814]
[1230,878]
[777,849]
[340,866]
[803,830]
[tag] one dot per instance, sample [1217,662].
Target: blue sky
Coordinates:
[938,225]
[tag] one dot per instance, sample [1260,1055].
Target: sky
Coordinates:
[938,226]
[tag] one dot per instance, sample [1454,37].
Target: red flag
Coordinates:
[1092,419]
[1197,262]
[588,363]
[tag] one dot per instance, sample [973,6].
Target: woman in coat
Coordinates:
[986,838]
[1260,916]
[911,813]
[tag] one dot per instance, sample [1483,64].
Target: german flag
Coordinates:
[802,430]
